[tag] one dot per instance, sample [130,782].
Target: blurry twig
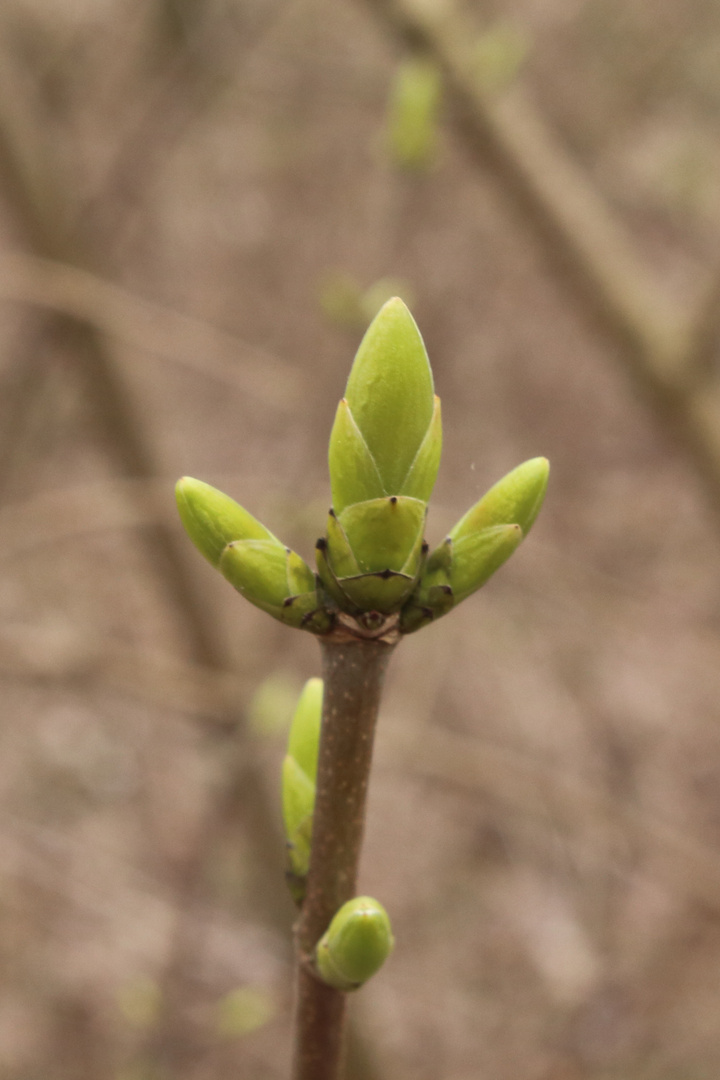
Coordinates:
[513,778]
[149,327]
[583,239]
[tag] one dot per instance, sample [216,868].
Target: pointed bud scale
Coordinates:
[478,556]
[212,520]
[352,467]
[275,579]
[514,500]
[356,944]
[384,534]
[433,595]
[373,553]
[420,479]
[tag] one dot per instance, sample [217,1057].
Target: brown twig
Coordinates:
[353,673]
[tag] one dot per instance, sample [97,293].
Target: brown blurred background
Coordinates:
[200,209]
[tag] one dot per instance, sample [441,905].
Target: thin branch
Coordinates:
[353,673]
[149,327]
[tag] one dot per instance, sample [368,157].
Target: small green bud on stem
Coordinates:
[356,944]
[299,773]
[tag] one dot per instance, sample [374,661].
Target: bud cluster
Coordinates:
[384,455]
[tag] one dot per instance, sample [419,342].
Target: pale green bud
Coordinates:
[254,561]
[356,944]
[299,773]
[478,545]
[384,455]
[304,738]
[389,405]
[212,520]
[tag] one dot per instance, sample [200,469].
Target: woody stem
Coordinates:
[353,673]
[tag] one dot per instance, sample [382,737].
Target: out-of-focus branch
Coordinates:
[584,241]
[149,327]
[529,787]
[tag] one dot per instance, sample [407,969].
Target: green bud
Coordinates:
[516,500]
[304,738]
[254,561]
[212,520]
[478,545]
[356,944]
[391,402]
[298,803]
[413,113]
[384,457]
[299,773]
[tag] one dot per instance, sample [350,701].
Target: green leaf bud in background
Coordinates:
[499,56]
[483,539]
[243,1011]
[356,944]
[255,562]
[384,456]
[346,304]
[412,115]
[272,704]
[299,773]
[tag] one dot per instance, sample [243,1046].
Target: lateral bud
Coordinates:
[255,562]
[483,539]
[356,944]
[299,773]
